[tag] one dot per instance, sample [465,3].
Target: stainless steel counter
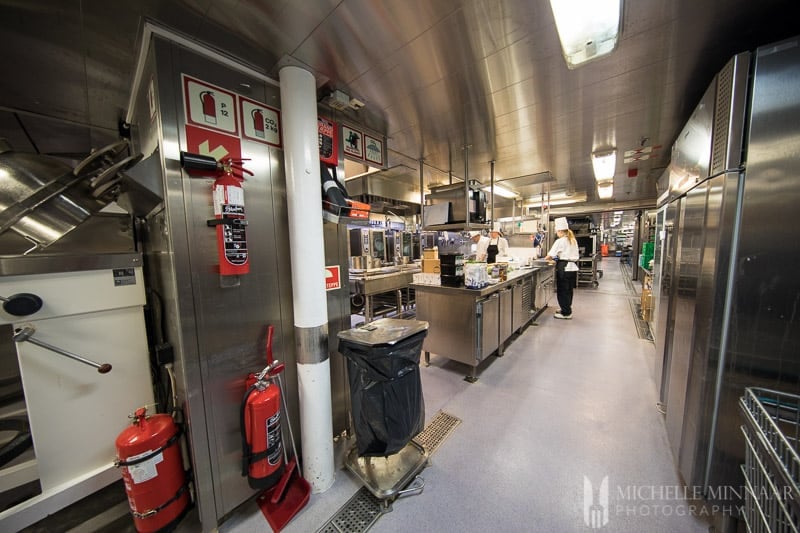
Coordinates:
[468,325]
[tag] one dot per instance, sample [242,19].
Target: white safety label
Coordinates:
[146,470]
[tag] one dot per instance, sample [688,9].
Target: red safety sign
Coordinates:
[206,142]
[333,279]
[328,141]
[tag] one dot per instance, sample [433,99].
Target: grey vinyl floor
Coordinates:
[570,406]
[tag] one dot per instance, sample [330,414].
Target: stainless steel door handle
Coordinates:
[26,334]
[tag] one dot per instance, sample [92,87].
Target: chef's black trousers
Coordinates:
[565,283]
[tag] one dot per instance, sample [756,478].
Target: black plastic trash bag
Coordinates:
[386,394]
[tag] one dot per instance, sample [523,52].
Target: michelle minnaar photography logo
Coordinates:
[595,504]
[604,502]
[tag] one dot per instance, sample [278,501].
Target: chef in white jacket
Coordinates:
[566,254]
[497,246]
[481,244]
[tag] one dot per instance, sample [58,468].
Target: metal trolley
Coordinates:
[772,463]
[587,270]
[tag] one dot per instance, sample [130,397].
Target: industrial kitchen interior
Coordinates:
[335,265]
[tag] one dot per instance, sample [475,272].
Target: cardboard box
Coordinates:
[647,304]
[430,253]
[431,266]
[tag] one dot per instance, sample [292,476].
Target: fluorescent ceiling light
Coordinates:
[605,190]
[556,199]
[501,191]
[588,29]
[604,164]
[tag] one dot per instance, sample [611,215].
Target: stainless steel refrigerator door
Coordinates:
[666,289]
[764,340]
[721,235]
[690,251]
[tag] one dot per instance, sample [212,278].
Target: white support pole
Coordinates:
[307,253]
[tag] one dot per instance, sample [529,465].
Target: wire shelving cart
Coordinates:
[772,463]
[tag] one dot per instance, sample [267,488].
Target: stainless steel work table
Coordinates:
[381,280]
[467,325]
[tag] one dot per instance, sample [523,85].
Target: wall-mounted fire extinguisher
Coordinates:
[149,454]
[262,444]
[229,212]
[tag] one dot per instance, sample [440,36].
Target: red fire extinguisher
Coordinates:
[262,445]
[229,213]
[148,451]
[231,233]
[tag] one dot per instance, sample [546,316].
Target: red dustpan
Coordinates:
[294,497]
[283,501]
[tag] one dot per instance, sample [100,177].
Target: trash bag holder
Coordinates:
[387,404]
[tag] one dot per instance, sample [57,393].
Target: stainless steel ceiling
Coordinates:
[441,74]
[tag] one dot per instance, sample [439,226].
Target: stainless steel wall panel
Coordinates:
[690,248]
[337,253]
[219,333]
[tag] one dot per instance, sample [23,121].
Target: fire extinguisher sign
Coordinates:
[209,106]
[260,122]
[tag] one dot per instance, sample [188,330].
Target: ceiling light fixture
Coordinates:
[588,29]
[556,199]
[604,164]
[501,191]
[605,190]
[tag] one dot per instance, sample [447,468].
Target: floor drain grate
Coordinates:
[362,510]
[356,516]
[437,431]
[626,279]
[642,327]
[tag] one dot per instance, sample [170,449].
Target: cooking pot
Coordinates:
[357,262]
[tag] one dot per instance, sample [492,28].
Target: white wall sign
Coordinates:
[209,106]
[374,150]
[260,122]
[353,142]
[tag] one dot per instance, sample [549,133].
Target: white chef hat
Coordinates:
[498,227]
[561,224]
[474,233]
